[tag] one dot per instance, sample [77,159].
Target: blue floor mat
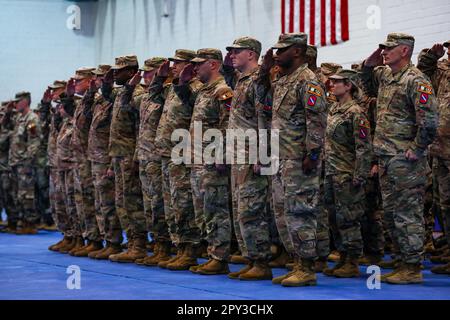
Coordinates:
[29,271]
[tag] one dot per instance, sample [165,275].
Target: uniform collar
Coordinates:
[294,75]
[212,84]
[342,107]
[397,76]
[248,74]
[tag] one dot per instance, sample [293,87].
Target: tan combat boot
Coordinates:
[137,251]
[27,229]
[214,267]
[162,253]
[186,260]
[109,250]
[94,253]
[443,269]
[350,269]
[56,246]
[92,246]
[179,254]
[235,275]
[340,263]
[303,276]
[384,277]
[389,264]
[281,260]
[11,228]
[67,241]
[407,274]
[370,259]
[334,256]
[279,279]
[155,253]
[69,246]
[259,271]
[320,264]
[79,244]
[438,258]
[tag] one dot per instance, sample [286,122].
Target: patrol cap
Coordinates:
[446,43]
[4,103]
[153,63]
[206,54]
[83,73]
[289,39]
[356,66]
[329,68]
[344,74]
[125,61]
[311,51]
[102,69]
[246,43]
[57,84]
[22,95]
[183,55]
[397,38]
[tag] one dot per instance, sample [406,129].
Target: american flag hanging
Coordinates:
[324,21]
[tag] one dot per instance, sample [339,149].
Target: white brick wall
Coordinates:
[36,47]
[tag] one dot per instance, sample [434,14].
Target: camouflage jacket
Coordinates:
[298,112]
[25,140]
[439,73]
[175,114]
[64,152]
[406,109]
[5,134]
[125,121]
[82,119]
[99,131]
[45,120]
[211,110]
[55,126]
[348,145]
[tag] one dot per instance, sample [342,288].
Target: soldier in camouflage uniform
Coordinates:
[24,146]
[99,105]
[347,166]
[439,73]
[247,113]
[156,193]
[122,147]
[84,187]
[6,194]
[178,204]
[211,111]
[299,114]
[406,125]
[66,212]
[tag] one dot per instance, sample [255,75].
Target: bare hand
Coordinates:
[438,50]
[164,69]
[227,61]
[374,170]
[309,165]
[110,173]
[268,61]
[70,88]
[47,97]
[411,156]
[187,74]
[375,59]
[109,77]
[135,80]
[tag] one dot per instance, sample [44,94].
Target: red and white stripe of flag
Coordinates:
[324,21]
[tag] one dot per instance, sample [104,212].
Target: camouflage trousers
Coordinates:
[7,197]
[216,212]
[107,219]
[128,197]
[85,200]
[251,191]
[323,227]
[181,204]
[67,214]
[278,211]
[345,206]
[154,208]
[23,184]
[402,185]
[372,219]
[443,179]
[436,210]
[235,210]
[301,206]
[198,199]
[42,193]
[57,205]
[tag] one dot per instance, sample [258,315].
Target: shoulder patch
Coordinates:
[224,94]
[364,123]
[316,90]
[331,97]
[312,100]
[425,88]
